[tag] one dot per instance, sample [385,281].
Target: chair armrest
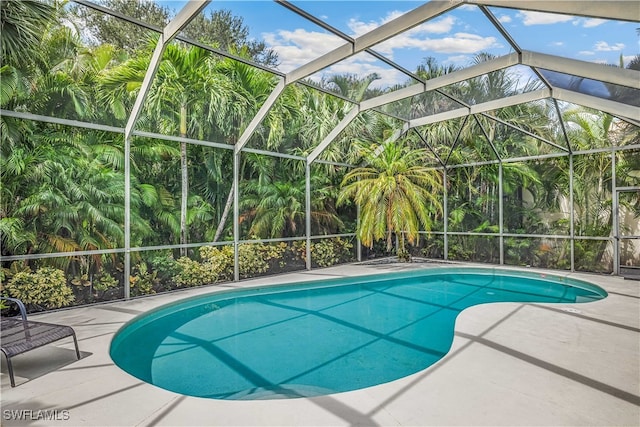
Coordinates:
[23,310]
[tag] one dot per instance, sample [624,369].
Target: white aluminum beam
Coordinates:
[348,118]
[390,29]
[590,70]
[442,81]
[483,107]
[320,63]
[631,121]
[623,10]
[521,98]
[611,107]
[473,71]
[390,97]
[59,121]
[404,22]
[186,14]
[260,115]
[434,118]
[144,88]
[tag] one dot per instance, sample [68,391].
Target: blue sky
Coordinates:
[455,37]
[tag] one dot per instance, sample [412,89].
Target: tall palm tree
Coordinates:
[395,192]
[175,102]
[251,87]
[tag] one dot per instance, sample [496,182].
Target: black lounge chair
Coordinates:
[20,335]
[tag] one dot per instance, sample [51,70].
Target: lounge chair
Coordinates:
[20,335]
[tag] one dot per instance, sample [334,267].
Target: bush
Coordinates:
[327,252]
[193,273]
[256,258]
[216,265]
[144,281]
[164,264]
[45,289]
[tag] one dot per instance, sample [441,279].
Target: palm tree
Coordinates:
[22,30]
[250,88]
[276,207]
[395,192]
[175,101]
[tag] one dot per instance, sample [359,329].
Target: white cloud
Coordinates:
[505,19]
[300,46]
[586,52]
[606,47]
[359,28]
[297,47]
[419,37]
[468,7]
[440,26]
[557,44]
[541,18]
[627,58]
[457,43]
[593,22]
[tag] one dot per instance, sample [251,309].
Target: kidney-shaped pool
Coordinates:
[322,337]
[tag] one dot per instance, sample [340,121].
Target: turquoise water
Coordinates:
[320,338]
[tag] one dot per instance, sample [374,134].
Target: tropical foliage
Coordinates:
[62,185]
[396,193]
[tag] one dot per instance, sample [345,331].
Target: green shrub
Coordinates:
[192,273]
[257,258]
[144,281]
[46,288]
[219,260]
[326,252]
[104,282]
[217,264]
[164,263]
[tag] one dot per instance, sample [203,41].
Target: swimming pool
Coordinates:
[322,337]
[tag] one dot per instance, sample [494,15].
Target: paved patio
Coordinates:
[510,364]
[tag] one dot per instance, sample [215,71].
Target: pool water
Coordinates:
[319,338]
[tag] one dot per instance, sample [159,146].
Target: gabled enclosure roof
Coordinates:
[614,90]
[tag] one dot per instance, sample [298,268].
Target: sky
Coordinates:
[452,38]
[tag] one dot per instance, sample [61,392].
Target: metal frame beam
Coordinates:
[505,61]
[435,118]
[58,121]
[170,31]
[390,29]
[589,70]
[260,115]
[608,9]
[608,106]
[483,107]
[348,118]
[426,143]
[186,14]
[521,98]
[504,33]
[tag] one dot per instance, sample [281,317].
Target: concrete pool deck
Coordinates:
[510,364]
